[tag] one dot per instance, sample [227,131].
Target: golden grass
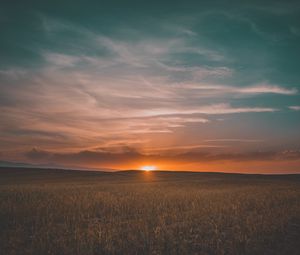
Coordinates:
[158,214]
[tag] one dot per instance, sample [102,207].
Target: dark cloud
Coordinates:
[38,155]
[129,156]
[35,133]
[85,157]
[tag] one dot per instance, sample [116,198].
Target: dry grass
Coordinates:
[148,213]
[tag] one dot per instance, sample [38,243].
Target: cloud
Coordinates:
[38,155]
[221,90]
[213,109]
[235,140]
[128,157]
[61,60]
[294,108]
[267,88]
[83,158]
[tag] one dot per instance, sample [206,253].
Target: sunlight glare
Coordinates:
[148,168]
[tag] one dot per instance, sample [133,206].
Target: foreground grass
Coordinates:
[148,213]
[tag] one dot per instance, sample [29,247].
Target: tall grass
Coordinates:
[170,216]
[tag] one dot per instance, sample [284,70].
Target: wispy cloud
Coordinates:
[208,110]
[294,108]
[267,88]
[61,60]
[221,90]
[235,140]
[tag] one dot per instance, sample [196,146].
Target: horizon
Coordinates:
[20,165]
[209,86]
[112,171]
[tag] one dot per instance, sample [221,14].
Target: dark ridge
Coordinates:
[10,170]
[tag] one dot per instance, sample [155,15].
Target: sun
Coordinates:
[148,168]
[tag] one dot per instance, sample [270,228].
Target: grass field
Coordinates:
[72,212]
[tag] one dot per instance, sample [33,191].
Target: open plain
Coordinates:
[135,212]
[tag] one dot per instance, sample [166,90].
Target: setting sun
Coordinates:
[148,168]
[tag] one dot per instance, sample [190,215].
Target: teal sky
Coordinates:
[191,85]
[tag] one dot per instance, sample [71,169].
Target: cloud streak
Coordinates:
[294,108]
[221,90]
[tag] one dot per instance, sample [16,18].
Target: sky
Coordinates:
[181,85]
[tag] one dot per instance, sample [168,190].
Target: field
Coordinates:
[75,212]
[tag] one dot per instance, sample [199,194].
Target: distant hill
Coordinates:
[20,174]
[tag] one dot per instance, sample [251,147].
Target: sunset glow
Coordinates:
[148,168]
